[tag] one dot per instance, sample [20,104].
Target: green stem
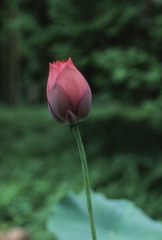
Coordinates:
[86,180]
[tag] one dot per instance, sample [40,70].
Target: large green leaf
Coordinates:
[115,220]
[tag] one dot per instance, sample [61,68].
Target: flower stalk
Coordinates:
[86,180]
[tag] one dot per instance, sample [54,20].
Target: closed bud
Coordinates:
[68,93]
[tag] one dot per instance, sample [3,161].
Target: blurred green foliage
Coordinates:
[40,163]
[116,45]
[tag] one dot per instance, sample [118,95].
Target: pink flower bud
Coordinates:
[68,93]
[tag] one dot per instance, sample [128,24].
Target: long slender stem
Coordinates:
[86,180]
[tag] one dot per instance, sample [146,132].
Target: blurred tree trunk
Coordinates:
[2,51]
[11,62]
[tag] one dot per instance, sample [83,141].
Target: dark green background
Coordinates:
[117,46]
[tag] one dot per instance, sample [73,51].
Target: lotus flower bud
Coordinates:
[68,93]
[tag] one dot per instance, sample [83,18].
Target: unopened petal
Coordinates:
[71,117]
[84,105]
[59,101]
[54,115]
[71,64]
[73,83]
[59,65]
[53,73]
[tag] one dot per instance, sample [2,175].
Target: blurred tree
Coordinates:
[116,45]
[10,85]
